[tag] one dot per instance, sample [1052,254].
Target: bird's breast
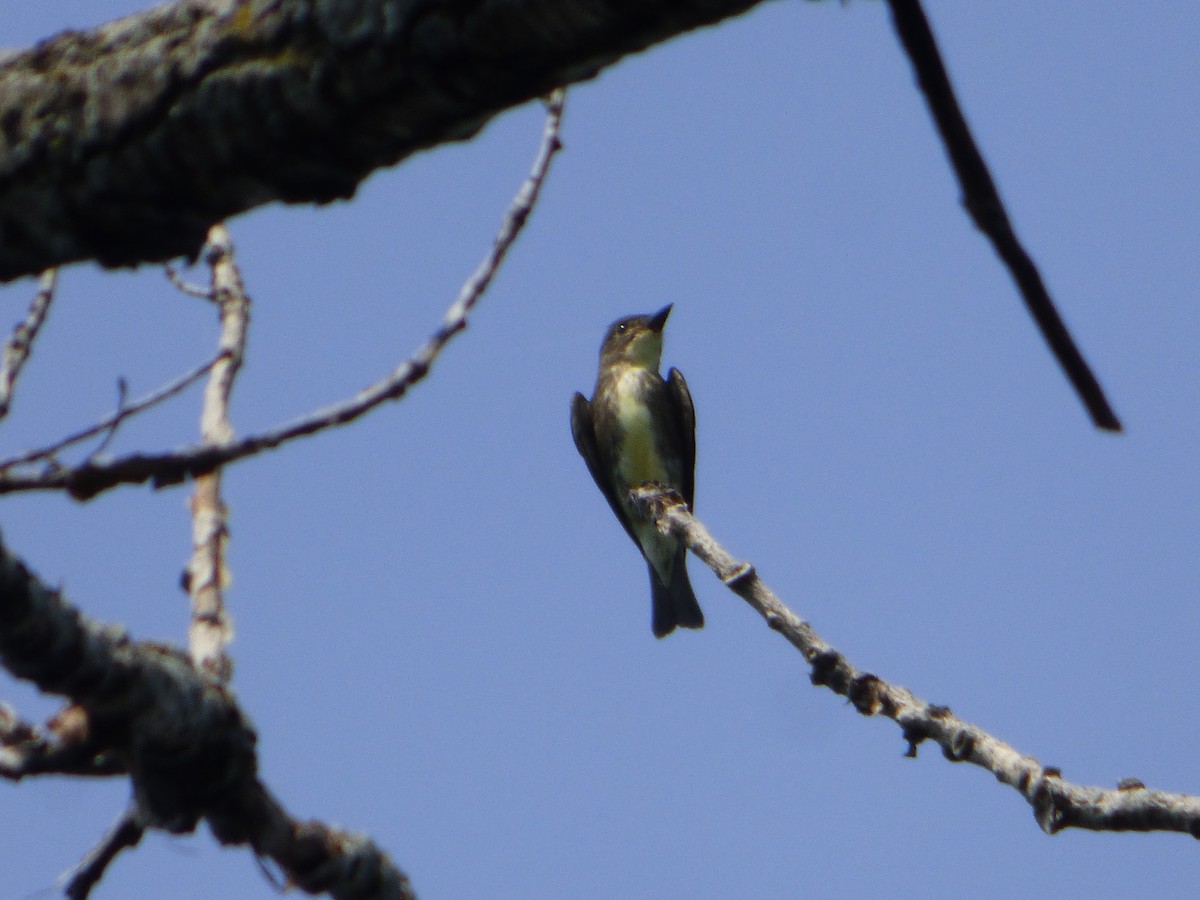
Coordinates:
[640,457]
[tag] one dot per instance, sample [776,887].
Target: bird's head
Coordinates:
[635,340]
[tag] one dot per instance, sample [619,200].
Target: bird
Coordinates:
[639,427]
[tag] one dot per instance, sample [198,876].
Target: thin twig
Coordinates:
[162,469]
[16,351]
[186,287]
[168,390]
[111,431]
[126,833]
[983,202]
[207,571]
[1057,804]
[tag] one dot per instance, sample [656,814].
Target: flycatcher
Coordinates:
[640,428]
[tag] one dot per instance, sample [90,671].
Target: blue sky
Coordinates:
[442,634]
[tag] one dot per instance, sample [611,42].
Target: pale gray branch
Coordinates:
[207,573]
[163,123]
[86,481]
[186,287]
[17,349]
[1056,803]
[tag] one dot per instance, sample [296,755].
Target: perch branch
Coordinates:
[1056,803]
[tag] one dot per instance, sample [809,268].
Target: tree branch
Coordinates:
[126,833]
[125,143]
[91,478]
[189,749]
[1056,803]
[163,123]
[983,202]
[64,747]
[207,573]
[17,349]
[109,423]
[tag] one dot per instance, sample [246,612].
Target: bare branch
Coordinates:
[1057,804]
[126,833]
[66,746]
[17,350]
[112,421]
[162,469]
[189,748]
[111,431]
[207,573]
[983,202]
[186,287]
[170,120]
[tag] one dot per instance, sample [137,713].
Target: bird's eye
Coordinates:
[621,328]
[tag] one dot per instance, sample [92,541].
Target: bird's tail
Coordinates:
[675,604]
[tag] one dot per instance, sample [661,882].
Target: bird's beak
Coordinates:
[659,319]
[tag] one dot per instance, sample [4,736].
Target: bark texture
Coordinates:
[124,144]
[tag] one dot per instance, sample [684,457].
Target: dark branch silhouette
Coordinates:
[126,833]
[180,737]
[983,202]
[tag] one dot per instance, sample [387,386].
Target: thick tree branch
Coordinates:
[188,748]
[1057,804]
[124,144]
[983,202]
[91,478]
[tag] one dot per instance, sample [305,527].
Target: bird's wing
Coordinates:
[685,427]
[585,442]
